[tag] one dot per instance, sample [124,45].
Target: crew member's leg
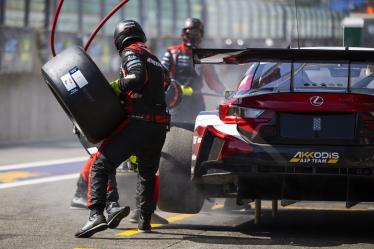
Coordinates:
[155,219]
[79,200]
[149,159]
[112,152]
[111,189]
[103,168]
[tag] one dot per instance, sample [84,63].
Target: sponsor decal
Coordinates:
[156,63]
[196,140]
[315,157]
[316,101]
[69,83]
[78,77]
[73,80]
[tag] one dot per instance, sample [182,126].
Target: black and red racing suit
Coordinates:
[142,134]
[178,60]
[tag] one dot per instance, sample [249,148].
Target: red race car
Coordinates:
[300,126]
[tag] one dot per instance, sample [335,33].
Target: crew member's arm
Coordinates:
[168,62]
[134,72]
[167,78]
[212,80]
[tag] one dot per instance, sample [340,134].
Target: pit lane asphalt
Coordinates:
[38,216]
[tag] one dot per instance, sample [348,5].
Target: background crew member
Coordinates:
[143,133]
[178,60]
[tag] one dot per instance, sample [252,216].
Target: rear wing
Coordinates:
[240,56]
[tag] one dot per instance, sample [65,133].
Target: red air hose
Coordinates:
[93,34]
[52,36]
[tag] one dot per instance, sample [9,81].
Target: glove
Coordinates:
[133,159]
[115,87]
[186,90]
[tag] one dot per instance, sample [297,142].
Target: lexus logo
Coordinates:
[316,100]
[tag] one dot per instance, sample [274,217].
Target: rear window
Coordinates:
[272,77]
[246,82]
[320,77]
[362,78]
[299,76]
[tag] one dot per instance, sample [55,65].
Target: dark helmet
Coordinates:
[192,32]
[127,32]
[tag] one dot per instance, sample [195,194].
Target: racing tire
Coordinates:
[83,93]
[178,194]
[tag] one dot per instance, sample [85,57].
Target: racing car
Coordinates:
[299,126]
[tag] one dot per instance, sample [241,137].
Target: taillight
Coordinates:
[244,112]
[235,114]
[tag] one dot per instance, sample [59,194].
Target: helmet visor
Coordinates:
[194,36]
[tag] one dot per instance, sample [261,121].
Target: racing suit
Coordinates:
[112,190]
[178,60]
[80,196]
[142,133]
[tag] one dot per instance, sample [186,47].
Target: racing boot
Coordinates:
[144,224]
[79,200]
[116,213]
[155,218]
[96,223]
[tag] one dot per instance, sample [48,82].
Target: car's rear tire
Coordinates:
[178,194]
[83,93]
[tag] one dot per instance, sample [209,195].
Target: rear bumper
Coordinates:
[333,160]
[274,173]
[350,188]
[337,156]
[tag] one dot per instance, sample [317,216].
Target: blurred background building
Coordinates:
[29,112]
